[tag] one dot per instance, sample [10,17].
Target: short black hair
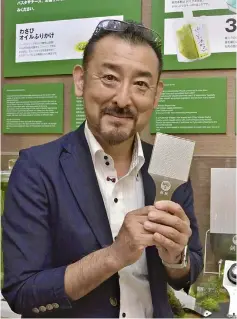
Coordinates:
[134,33]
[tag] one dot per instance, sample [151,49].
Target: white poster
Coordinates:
[194,5]
[220,34]
[55,40]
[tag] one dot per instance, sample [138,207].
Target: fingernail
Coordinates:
[158,205]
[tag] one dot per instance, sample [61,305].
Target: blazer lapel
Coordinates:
[79,170]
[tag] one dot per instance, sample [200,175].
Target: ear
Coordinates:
[159,90]
[78,76]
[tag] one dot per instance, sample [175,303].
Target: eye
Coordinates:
[142,84]
[109,77]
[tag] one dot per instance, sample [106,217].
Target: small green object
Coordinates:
[186,43]
[80,46]
[210,304]
[175,304]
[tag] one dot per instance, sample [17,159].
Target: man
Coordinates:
[82,234]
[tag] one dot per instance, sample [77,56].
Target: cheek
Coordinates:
[145,105]
[144,117]
[145,109]
[96,92]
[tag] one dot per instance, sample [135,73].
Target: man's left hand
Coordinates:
[171,228]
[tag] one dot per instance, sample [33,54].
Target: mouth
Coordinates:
[118,116]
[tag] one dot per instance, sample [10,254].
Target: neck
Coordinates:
[121,154]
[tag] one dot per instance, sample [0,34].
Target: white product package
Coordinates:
[192,41]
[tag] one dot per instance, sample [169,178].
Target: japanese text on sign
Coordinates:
[23,6]
[28,34]
[180,5]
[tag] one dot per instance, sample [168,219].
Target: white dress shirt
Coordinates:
[120,197]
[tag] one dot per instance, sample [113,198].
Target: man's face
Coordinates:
[119,88]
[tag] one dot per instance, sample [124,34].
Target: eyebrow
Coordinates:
[116,68]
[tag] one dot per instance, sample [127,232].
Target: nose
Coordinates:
[122,96]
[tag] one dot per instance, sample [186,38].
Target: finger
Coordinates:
[168,232]
[144,211]
[146,240]
[133,219]
[171,207]
[173,221]
[167,244]
[142,219]
[146,232]
[141,215]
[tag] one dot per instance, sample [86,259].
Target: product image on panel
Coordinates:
[196,34]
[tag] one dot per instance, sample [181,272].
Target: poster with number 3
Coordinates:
[196,34]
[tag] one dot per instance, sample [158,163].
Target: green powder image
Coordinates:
[80,46]
[186,43]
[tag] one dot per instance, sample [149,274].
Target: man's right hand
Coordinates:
[132,238]
[89,272]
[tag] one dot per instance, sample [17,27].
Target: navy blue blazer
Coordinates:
[54,215]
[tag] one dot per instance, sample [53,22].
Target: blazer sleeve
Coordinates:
[30,280]
[184,196]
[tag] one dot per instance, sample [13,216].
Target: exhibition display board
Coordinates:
[46,37]
[191,105]
[77,110]
[33,108]
[196,34]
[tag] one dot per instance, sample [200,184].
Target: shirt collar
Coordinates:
[138,158]
[93,144]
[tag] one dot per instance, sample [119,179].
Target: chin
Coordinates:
[116,136]
[115,132]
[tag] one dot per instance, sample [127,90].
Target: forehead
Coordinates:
[125,54]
